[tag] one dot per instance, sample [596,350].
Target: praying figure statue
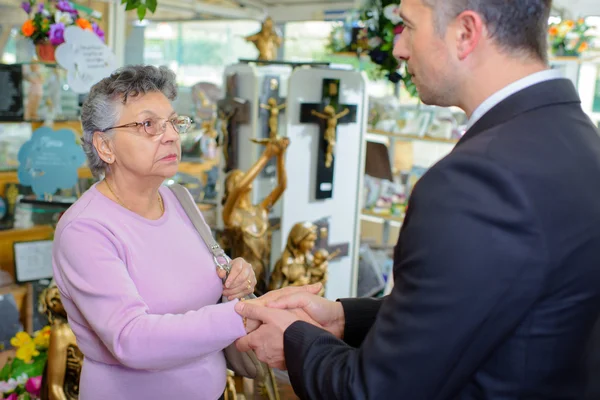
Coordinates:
[63,368]
[266,41]
[247,226]
[332,120]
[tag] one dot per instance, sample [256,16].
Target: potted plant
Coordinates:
[47,21]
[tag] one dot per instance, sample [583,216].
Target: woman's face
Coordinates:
[139,153]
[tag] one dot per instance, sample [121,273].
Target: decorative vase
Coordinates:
[45,52]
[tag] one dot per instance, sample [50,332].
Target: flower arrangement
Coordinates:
[382,28]
[569,38]
[21,377]
[47,21]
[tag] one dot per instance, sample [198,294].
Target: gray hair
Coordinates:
[517,26]
[101,109]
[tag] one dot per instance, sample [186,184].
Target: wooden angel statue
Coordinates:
[247,228]
[63,368]
[331,117]
[267,41]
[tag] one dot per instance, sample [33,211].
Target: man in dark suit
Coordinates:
[497,268]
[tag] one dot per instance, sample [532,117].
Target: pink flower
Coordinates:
[34,385]
[398,29]
[13,396]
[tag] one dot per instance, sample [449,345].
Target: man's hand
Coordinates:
[267,340]
[328,314]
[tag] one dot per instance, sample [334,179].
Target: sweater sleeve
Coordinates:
[90,272]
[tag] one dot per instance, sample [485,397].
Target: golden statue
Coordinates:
[318,271]
[61,378]
[273,109]
[266,41]
[224,122]
[292,268]
[332,121]
[246,225]
[297,265]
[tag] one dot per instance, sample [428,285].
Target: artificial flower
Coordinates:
[27,352]
[20,339]
[63,17]
[42,337]
[98,31]
[8,386]
[26,6]
[27,28]
[84,24]
[66,6]
[34,386]
[12,396]
[57,34]
[392,12]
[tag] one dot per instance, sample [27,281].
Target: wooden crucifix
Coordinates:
[328,114]
[232,111]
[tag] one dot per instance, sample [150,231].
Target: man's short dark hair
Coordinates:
[517,26]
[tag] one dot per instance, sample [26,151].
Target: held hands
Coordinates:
[241,280]
[269,316]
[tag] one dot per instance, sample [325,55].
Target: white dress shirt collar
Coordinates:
[511,89]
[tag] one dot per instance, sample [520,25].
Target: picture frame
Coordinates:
[33,260]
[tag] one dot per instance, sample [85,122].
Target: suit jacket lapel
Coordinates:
[556,91]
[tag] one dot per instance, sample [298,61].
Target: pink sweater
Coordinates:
[141,297]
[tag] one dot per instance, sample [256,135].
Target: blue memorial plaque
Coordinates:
[49,161]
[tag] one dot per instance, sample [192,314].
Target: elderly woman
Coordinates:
[139,286]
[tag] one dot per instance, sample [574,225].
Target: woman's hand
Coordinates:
[241,281]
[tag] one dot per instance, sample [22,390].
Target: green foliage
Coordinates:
[142,6]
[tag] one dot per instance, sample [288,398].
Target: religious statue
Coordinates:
[224,141]
[204,97]
[247,225]
[297,265]
[61,377]
[266,41]
[34,93]
[332,120]
[273,109]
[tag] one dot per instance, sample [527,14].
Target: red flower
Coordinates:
[398,29]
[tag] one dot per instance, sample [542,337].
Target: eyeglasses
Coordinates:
[158,126]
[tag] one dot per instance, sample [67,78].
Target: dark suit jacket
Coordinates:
[497,271]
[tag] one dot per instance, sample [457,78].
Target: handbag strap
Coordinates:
[191,209]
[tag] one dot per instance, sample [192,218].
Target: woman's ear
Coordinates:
[102,146]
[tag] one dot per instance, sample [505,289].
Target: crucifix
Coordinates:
[271,104]
[328,114]
[232,111]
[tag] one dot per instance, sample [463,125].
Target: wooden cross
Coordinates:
[271,105]
[233,111]
[328,114]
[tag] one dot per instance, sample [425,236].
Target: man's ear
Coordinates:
[103,147]
[470,29]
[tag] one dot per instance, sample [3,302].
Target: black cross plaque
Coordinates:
[238,112]
[346,113]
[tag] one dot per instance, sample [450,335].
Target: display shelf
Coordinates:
[411,137]
[385,217]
